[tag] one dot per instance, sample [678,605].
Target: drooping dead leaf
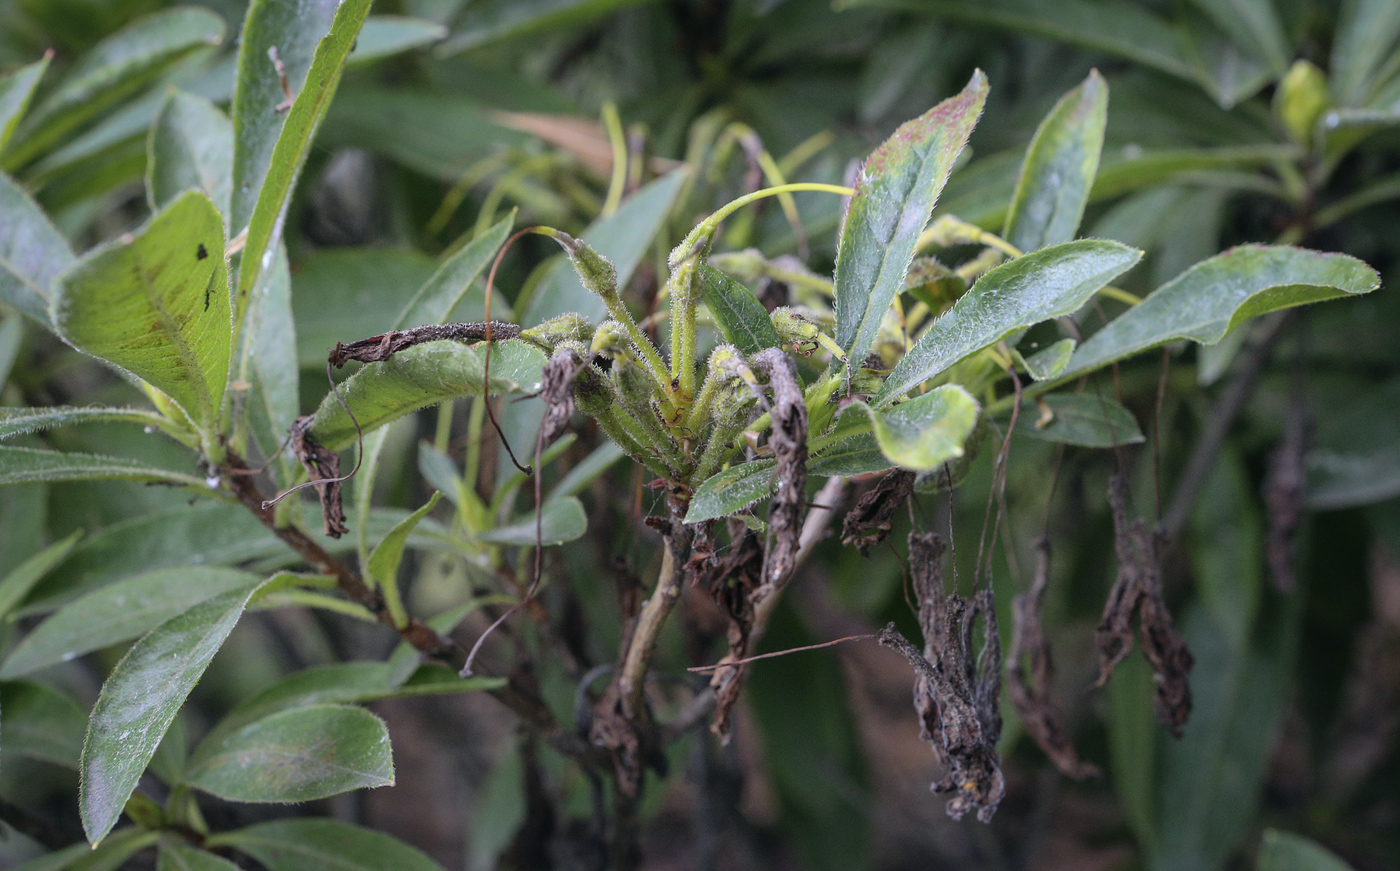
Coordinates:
[1138,591]
[557,391]
[1030,691]
[870,521]
[788,440]
[323,468]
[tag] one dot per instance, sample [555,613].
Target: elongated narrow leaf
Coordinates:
[741,317]
[23,465]
[1116,27]
[119,612]
[438,297]
[1285,851]
[1050,361]
[624,237]
[40,722]
[312,844]
[1227,549]
[1059,169]
[16,90]
[140,699]
[22,578]
[298,755]
[1086,419]
[156,305]
[387,35]
[182,857]
[731,491]
[32,252]
[268,360]
[345,294]
[190,146]
[1210,782]
[113,70]
[1254,25]
[895,195]
[563,520]
[1213,297]
[1046,284]
[422,376]
[927,431]
[1365,37]
[273,178]
[383,563]
[19,421]
[491,20]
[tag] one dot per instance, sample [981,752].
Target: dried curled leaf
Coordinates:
[789,443]
[731,580]
[1138,591]
[377,349]
[557,391]
[1030,691]
[323,468]
[870,521]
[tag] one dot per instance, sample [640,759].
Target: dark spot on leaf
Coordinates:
[201,252]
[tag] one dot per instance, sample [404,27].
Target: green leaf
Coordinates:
[17,584]
[11,335]
[1084,419]
[42,723]
[858,455]
[1116,27]
[624,238]
[1254,25]
[562,519]
[895,194]
[588,469]
[61,859]
[741,317]
[298,755]
[421,376]
[1045,284]
[20,421]
[383,564]
[182,857]
[1059,169]
[1365,38]
[731,491]
[1227,545]
[190,146]
[1209,788]
[32,252]
[113,70]
[437,134]
[387,35]
[1356,458]
[1132,732]
[501,810]
[140,699]
[110,855]
[345,294]
[812,748]
[268,361]
[1213,297]
[311,844]
[927,431]
[493,20]
[268,151]
[440,295]
[118,612]
[1049,361]
[1229,72]
[1285,851]
[16,90]
[22,465]
[156,304]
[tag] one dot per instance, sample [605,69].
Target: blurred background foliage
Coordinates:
[1229,122]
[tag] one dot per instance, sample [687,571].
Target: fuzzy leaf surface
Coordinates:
[1044,284]
[1059,169]
[140,699]
[927,431]
[302,754]
[312,844]
[895,194]
[156,304]
[190,146]
[740,316]
[1216,295]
